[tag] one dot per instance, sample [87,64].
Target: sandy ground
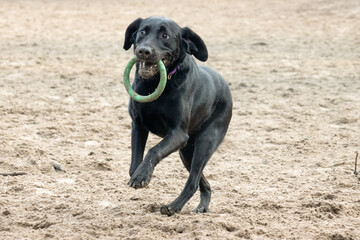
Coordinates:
[284,171]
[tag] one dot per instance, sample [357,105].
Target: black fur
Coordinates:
[192,115]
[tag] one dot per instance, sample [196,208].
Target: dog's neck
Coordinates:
[177,68]
[178,76]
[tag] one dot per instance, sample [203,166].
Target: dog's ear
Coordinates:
[193,44]
[129,34]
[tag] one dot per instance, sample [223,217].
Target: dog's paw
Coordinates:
[140,178]
[136,185]
[168,210]
[201,209]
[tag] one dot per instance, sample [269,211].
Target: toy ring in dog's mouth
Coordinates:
[159,89]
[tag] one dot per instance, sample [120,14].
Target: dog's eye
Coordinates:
[165,36]
[142,32]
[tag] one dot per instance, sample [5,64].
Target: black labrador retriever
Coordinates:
[192,115]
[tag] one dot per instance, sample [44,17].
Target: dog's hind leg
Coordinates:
[205,144]
[205,196]
[186,155]
[204,148]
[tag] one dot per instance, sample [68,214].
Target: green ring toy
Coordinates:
[159,89]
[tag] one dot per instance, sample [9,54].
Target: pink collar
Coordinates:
[173,72]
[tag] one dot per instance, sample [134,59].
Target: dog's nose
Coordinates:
[144,52]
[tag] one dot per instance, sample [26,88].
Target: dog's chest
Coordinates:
[155,121]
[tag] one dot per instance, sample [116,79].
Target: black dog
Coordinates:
[192,115]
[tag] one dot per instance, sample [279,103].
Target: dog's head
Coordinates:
[160,38]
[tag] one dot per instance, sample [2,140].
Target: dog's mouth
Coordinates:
[148,70]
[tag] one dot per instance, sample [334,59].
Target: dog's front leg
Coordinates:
[173,141]
[139,135]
